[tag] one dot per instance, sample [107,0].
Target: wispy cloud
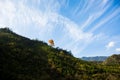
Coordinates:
[42,19]
[93,15]
[106,19]
[76,33]
[21,17]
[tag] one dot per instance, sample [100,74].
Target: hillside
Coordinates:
[96,58]
[113,60]
[25,59]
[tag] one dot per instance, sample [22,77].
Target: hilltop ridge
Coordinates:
[24,59]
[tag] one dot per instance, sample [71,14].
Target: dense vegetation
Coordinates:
[113,60]
[96,58]
[25,59]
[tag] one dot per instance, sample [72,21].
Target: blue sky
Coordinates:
[84,27]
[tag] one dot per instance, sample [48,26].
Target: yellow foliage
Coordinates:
[51,42]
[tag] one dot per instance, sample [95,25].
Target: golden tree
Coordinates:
[51,42]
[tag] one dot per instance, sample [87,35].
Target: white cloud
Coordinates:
[22,18]
[110,45]
[117,49]
[75,32]
[6,12]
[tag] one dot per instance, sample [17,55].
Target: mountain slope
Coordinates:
[25,59]
[113,60]
[21,58]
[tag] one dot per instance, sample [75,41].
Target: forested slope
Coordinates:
[25,59]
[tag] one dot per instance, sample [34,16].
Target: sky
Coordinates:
[84,27]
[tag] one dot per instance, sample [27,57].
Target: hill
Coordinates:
[96,58]
[113,60]
[25,59]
